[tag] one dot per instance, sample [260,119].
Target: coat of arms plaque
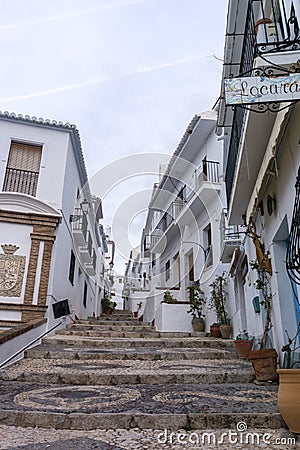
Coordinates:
[12,269]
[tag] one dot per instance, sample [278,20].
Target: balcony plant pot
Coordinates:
[225,330]
[198,324]
[288,400]
[243,347]
[264,363]
[215,330]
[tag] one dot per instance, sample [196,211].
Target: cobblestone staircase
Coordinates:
[118,372]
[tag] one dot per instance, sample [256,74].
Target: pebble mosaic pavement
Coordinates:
[45,383]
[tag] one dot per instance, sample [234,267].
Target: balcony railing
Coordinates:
[24,181]
[80,227]
[231,237]
[171,213]
[274,25]
[236,132]
[207,171]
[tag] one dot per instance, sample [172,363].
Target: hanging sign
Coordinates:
[262,89]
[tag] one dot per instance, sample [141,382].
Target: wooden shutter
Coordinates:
[24,157]
[23,166]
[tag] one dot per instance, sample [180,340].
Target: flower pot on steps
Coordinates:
[215,330]
[198,324]
[288,400]
[243,347]
[225,330]
[264,363]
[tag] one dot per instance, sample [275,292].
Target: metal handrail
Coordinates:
[29,345]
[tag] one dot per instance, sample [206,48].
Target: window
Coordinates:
[207,236]
[84,294]
[22,170]
[191,267]
[72,268]
[167,270]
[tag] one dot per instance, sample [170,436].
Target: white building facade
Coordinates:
[53,247]
[262,159]
[181,243]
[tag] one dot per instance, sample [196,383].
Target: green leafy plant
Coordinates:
[108,304]
[244,335]
[169,298]
[197,301]
[218,299]
[291,355]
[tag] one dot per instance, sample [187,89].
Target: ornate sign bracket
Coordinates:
[277,85]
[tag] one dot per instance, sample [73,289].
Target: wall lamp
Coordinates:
[111,265]
[205,250]
[85,206]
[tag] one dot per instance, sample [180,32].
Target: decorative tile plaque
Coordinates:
[12,269]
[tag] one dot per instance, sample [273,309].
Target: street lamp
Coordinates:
[85,206]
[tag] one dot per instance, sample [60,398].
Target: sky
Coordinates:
[130,74]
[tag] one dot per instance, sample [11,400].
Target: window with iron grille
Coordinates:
[22,170]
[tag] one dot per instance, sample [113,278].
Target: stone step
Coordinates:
[160,407]
[97,372]
[127,334]
[116,334]
[116,323]
[117,317]
[161,342]
[111,327]
[137,353]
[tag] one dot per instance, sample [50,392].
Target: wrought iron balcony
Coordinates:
[271,26]
[79,227]
[17,180]
[91,266]
[231,238]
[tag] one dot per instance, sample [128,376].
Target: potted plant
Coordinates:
[288,400]
[264,359]
[218,301]
[169,298]
[243,344]
[139,305]
[108,306]
[197,302]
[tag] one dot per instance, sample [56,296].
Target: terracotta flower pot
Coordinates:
[243,347]
[215,330]
[264,363]
[135,313]
[288,401]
